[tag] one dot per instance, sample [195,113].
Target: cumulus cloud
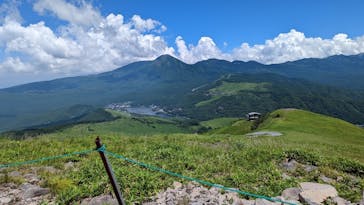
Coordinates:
[290,46]
[90,42]
[295,45]
[205,49]
[142,25]
[81,46]
[85,14]
[9,11]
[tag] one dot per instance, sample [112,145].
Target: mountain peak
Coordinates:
[166,57]
[167,61]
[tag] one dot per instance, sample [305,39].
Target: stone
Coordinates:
[5,200]
[340,201]
[315,193]
[285,176]
[177,185]
[246,202]
[326,179]
[309,168]
[50,169]
[31,191]
[290,165]
[291,193]
[339,178]
[362,201]
[102,199]
[265,202]
[31,178]
[14,174]
[69,165]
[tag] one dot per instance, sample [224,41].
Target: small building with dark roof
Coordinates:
[253,116]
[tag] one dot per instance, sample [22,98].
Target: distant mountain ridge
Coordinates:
[166,81]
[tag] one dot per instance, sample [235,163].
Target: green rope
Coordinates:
[15,164]
[154,168]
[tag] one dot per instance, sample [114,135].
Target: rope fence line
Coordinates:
[148,166]
[154,168]
[15,164]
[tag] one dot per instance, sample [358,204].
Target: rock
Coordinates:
[290,165]
[309,168]
[340,201]
[69,165]
[31,191]
[315,193]
[14,174]
[50,169]
[339,178]
[31,178]
[326,179]
[265,202]
[102,199]
[195,194]
[285,176]
[291,194]
[5,200]
[246,202]
[177,185]
[362,201]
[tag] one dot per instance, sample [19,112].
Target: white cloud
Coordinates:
[205,49]
[285,47]
[295,45]
[14,64]
[85,14]
[142,25]
[9,11]
[79,47]
[91,43]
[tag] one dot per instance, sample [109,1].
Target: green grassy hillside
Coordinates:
[251,164]
[331,135]
[234,95]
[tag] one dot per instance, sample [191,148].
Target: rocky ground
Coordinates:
[194,194]
[25,188]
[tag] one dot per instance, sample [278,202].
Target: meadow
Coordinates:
[222,155]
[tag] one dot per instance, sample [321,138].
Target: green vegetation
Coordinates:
[235,95]
[232,88]
[168,82]
[233,126]
[219,122]
[251,164]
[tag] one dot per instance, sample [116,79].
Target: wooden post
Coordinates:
[110,173]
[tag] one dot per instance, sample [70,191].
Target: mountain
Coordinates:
[234,95]
[166,81]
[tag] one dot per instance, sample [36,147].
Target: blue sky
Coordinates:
[46,39]
[252,21]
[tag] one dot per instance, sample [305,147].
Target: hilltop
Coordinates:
[313,147]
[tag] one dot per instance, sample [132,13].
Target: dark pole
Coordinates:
[108,169]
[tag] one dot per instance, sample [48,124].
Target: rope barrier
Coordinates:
[148,166]
[154,168]
[15,164]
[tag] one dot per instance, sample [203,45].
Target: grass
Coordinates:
[250,164]
[230,88]
[232,126]
[219,122]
